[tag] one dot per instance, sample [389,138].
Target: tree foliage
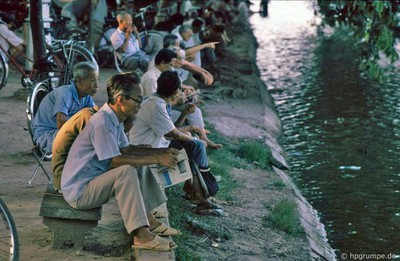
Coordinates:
[374,24]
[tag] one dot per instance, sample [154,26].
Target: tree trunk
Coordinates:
[39,44]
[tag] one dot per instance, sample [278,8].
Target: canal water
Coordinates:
[341,132]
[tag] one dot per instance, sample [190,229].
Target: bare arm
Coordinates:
[188,110]
[207,77]
[140,156]
[195,49]
[61,119]
[178,135]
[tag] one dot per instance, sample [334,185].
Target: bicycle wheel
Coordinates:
[157,39]
[73,54]
[9,242]
[40,90]
[3,70]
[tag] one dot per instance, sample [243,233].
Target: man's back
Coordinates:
[63,99]
[8,38]
[149,81]
[152,123]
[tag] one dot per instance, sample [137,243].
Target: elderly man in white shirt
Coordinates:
[8,39]
[126,41]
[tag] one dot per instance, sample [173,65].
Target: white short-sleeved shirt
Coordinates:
[117,40]
[188,44]
[8,37]
[91,153]
[149,81]
[152,123]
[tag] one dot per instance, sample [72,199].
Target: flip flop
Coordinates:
[212,212]
[159,213]
[164,230]
[157,244]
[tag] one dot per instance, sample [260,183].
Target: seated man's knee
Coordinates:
[127,172]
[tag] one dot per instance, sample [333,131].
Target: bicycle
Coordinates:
[65,54]
[62,55]
[9,241]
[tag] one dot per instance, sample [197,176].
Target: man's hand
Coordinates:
[134,29]
[169,157]
[211,45]
[208,78]
[189,109]
[128,32]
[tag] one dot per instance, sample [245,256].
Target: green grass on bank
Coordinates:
[199,231]
[284,216]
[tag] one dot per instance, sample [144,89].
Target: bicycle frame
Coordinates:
[20,69]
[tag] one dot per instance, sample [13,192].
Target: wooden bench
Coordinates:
[67,224]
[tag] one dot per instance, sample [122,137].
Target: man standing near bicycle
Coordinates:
[126,41]
[9,40]
[63,102]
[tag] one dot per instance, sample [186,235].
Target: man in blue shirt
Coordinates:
[63,102]
[101,163]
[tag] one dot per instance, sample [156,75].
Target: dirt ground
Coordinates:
[232,105]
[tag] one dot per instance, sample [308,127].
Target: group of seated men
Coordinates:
[98,153]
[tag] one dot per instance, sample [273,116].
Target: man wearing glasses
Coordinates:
[101,163]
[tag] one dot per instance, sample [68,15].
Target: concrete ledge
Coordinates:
[314,229]
[67,224]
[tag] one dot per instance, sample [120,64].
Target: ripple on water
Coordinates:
[332,117]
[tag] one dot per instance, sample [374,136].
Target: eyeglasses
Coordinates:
[136,100]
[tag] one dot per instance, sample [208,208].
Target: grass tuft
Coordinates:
[284,216]
[255,152]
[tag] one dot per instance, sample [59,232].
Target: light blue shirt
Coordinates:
[62,99]
[91,153]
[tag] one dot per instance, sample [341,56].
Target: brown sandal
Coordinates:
[157,244]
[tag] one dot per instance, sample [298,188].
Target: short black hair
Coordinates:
[198,22]
[164,55]
[169,39]
[168,83]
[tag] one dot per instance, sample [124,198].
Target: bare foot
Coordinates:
[212,145]
[142,235]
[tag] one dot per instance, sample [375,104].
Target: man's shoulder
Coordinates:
[153,102]
[116,36]
[152,73]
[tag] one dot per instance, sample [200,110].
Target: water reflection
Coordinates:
[334,119]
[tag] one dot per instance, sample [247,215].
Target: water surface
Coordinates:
[340,130]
